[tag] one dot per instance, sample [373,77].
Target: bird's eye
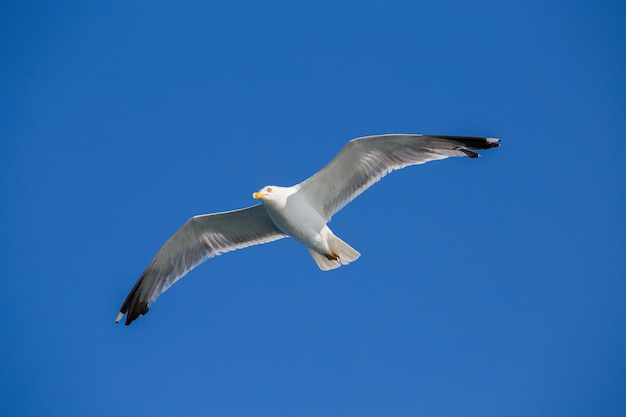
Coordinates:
[269,189]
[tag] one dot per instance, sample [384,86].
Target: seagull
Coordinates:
[301,211]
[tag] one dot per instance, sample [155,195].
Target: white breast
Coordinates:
[296,217]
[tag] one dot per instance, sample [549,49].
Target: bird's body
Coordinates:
[296,217]
[301,211]
[291,213]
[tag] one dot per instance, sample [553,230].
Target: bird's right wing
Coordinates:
[200,238]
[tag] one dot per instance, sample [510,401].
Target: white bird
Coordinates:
[301,211]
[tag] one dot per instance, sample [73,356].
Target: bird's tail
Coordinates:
[341,254]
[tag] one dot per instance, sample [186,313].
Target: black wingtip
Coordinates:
[132,316]
[469,154]
[135,304]
[138,309]
[467,144]
[493,142]
[471,142]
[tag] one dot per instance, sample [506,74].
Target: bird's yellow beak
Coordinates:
[258,195]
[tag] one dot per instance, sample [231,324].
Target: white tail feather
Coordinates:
[344,252]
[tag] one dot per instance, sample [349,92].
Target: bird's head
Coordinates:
[273,194]
[267,193]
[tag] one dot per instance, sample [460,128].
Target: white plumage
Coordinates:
[301,211]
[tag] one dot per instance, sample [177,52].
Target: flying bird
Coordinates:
[301,211]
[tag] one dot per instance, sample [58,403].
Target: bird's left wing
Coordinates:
[200,238]
[363,161]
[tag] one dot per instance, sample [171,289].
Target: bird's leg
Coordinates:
[333,256]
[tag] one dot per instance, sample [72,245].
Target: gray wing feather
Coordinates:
[364,161]
[200,238]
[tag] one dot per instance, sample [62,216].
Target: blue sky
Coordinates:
[486,287]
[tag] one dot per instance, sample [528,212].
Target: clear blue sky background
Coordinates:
[489,287]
